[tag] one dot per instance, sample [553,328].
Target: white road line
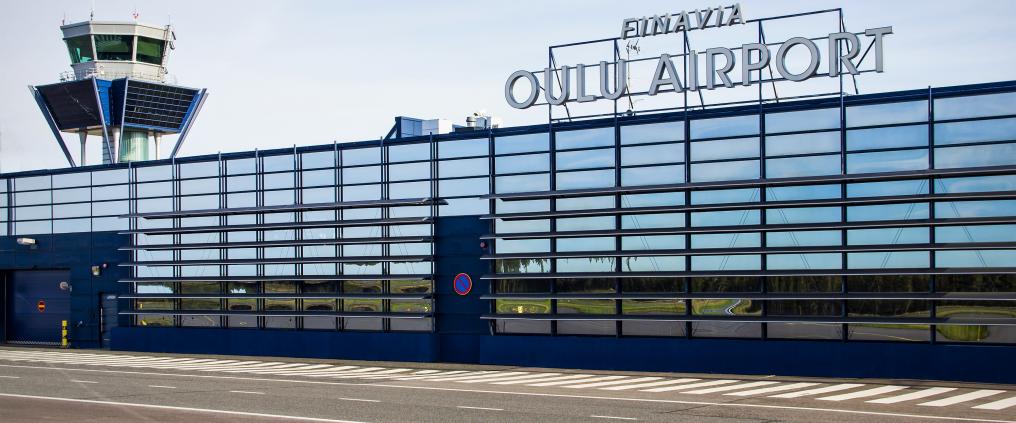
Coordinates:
[503,393]
[283,369]
[998,405]
[692,386]
[189,409]
[447,373]
[306,372]
[864,394]
[394,376]
[465,379]
[611,382]
[248,392]
[479,408]
[730,388]
[10,377]
[344,372]
[358,399]
[472,375]
[613,417]
[772,389]
[548,379]
[912,396]
[969,396]
[530,378]
[819,391]
[162,386]
[83,381]
[568,382]
[389,372]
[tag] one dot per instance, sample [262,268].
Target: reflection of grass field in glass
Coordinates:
[724,307]
[586,306]
[523,306]
[969,332]
[652,307]
[410,306]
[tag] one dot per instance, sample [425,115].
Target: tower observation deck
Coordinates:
[116,90]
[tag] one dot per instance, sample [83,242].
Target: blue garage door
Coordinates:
[36,306]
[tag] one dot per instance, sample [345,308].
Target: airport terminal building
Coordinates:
[852,235]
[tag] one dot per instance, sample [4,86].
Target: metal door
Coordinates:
[37,304]
[108,317]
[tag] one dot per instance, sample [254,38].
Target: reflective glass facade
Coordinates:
[870,218]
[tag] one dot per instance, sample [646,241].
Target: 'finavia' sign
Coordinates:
[754,57]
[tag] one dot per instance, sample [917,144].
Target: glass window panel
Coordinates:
[585,203]
[652,242]
[652,175]
[114,47]
[804,261]
[201,186]
[72,210]
[522,245]
[974,156]
[361,156]
[199,169]
[653,264]
[585,244]
[804,284]
[804,308]
[319,159]
[726,329]
[975,258]
[802,238]
[585,179]
[71,225]
[976,283]
[889,137]
[889,260]
[741,195]
[975,184]
[887,188]
[522,266]
[30,198]
[650,221]
[80,49]
[240,166]
[461,187]
[988,208]
[32,213]
[523,163]
[409,171]
[888,332]
[522,183]
[975,106]
[909,160]
[979,233]
[652,199]
[117,176]
[803,166]
[725,149]
[465,207]
[408,152]
[728,262]
[582,265]
[975,131]
[726,218]
[584,159]
[830,331]
[726,240]
[68,180]
[802,215]
[805,120]
[111,192]
[887,113]
[358,175]
[649,154]
[361,193]
[811,143]
[888,283]
[654,132]
[463,148]
[32,183]
[887,236]
[199,202]
[521,143]
[596,137]
[464,167]
[725,127]
[108,208]
[725,171]
[313,178]
[319,195]
[905,211]
[30,228]
[585,223]
[802,192]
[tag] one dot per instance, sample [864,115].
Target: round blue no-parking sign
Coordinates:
[462,284]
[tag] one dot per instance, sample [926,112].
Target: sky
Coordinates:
[284,73]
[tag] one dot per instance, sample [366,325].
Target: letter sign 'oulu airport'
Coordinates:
[704,69]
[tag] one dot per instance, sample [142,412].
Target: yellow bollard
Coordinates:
[63,334]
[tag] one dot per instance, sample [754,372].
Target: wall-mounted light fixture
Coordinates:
[96,270]
[28,242]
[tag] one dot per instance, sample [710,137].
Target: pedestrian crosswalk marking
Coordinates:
[772,389]
[883,394]
[969,396]
[650,384]
[692,386]
[924,393]
[819,391]
[864,394]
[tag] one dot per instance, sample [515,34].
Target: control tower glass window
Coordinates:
[114,47]
[80,49]
[150,50]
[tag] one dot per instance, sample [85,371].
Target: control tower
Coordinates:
[117,91]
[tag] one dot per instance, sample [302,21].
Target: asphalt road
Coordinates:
[101,386]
